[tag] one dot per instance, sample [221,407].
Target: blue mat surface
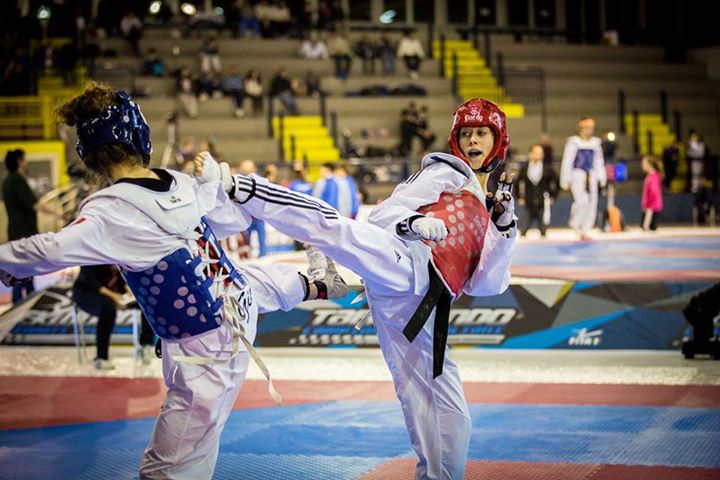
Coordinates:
[343,440]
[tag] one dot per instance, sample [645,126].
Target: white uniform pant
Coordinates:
[435,411]
[186,438]
[584,208]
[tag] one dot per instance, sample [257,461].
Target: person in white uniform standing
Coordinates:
[582,170]
[438,236]
[162,229]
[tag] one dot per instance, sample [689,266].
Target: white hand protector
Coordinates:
[336,286]
[318,264]
[501,204]
[207,169]
[429,228]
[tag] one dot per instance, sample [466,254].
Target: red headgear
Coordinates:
[481,113]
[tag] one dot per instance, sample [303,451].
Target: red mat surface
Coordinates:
[45,401]
[481,470]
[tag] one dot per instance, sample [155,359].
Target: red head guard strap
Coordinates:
[481,113]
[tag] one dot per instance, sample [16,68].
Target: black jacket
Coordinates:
[534,194]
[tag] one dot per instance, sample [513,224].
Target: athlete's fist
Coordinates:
[500,204]
[7,279]
[429,228]
[207,169]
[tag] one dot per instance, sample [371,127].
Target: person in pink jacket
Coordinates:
[652,200]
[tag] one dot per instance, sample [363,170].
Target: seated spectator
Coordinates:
[209,86]
[386,53]
[423,131]
[210,56]
[411,51]
[340,51]
[187,92]
[408,128]
[131,29]
[313,48]
[365,50]
[312,84]
[233,88]
[281,87]
[254,90]
[153,65]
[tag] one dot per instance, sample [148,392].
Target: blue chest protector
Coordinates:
[180,294]
[183,294]
[584,159]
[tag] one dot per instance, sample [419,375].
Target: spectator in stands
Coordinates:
[249,24]
[365,50]
[313,48]
[233,86]
[271,173]
[411,51]
[537,188]
[695,152]
[22,206]
[186,155]
[248,167]
[254,90]
[312,84]
[583,172]
[209,86]
[340,51]
[671,159]
[408,128]
[652,200]
[281,87]
[547,147]
[386,52]
[98,290]
[208,145]
[187,92]
[423,131]
[66,62]
[131,29]
[210,56]
[15,77]
[153,65]
[299,182]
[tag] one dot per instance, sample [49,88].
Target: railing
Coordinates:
[27,118]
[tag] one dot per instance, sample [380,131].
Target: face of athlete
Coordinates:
[586,128]
[476,143]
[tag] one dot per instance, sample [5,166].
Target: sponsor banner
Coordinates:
[547,314]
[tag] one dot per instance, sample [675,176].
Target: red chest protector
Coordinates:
[466,218]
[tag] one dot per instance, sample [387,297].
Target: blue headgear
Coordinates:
[122,122]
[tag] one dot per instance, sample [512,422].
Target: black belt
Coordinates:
[437,297]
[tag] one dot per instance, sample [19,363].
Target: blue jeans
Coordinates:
[21,290]
[258,226]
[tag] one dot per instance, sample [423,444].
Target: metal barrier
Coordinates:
[27,118]
[526,85]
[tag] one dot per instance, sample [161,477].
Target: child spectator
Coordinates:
[652,201]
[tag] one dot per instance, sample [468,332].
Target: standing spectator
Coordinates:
[340,51]
[695,153]
[249,24]
[22,206]
[386,51]
[299,181]
[348,198]
[583,171]
[247,167]
[652,201]
[98,290]
[254,89]
[548,154]
[313,48]
[187,92]
[131,29]
[325,185]
[210,56]
[537,189]
[234,88]
[281,87]
[671,158]
[365,50]
[271,173]
[411,51]
[408,128]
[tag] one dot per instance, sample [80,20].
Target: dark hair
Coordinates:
[13,158]
[95,98]
[329,165]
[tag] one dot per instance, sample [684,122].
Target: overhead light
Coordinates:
[219,11]
[154,8]
[611,136]
[388,16]
[188,9]
[43,13]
